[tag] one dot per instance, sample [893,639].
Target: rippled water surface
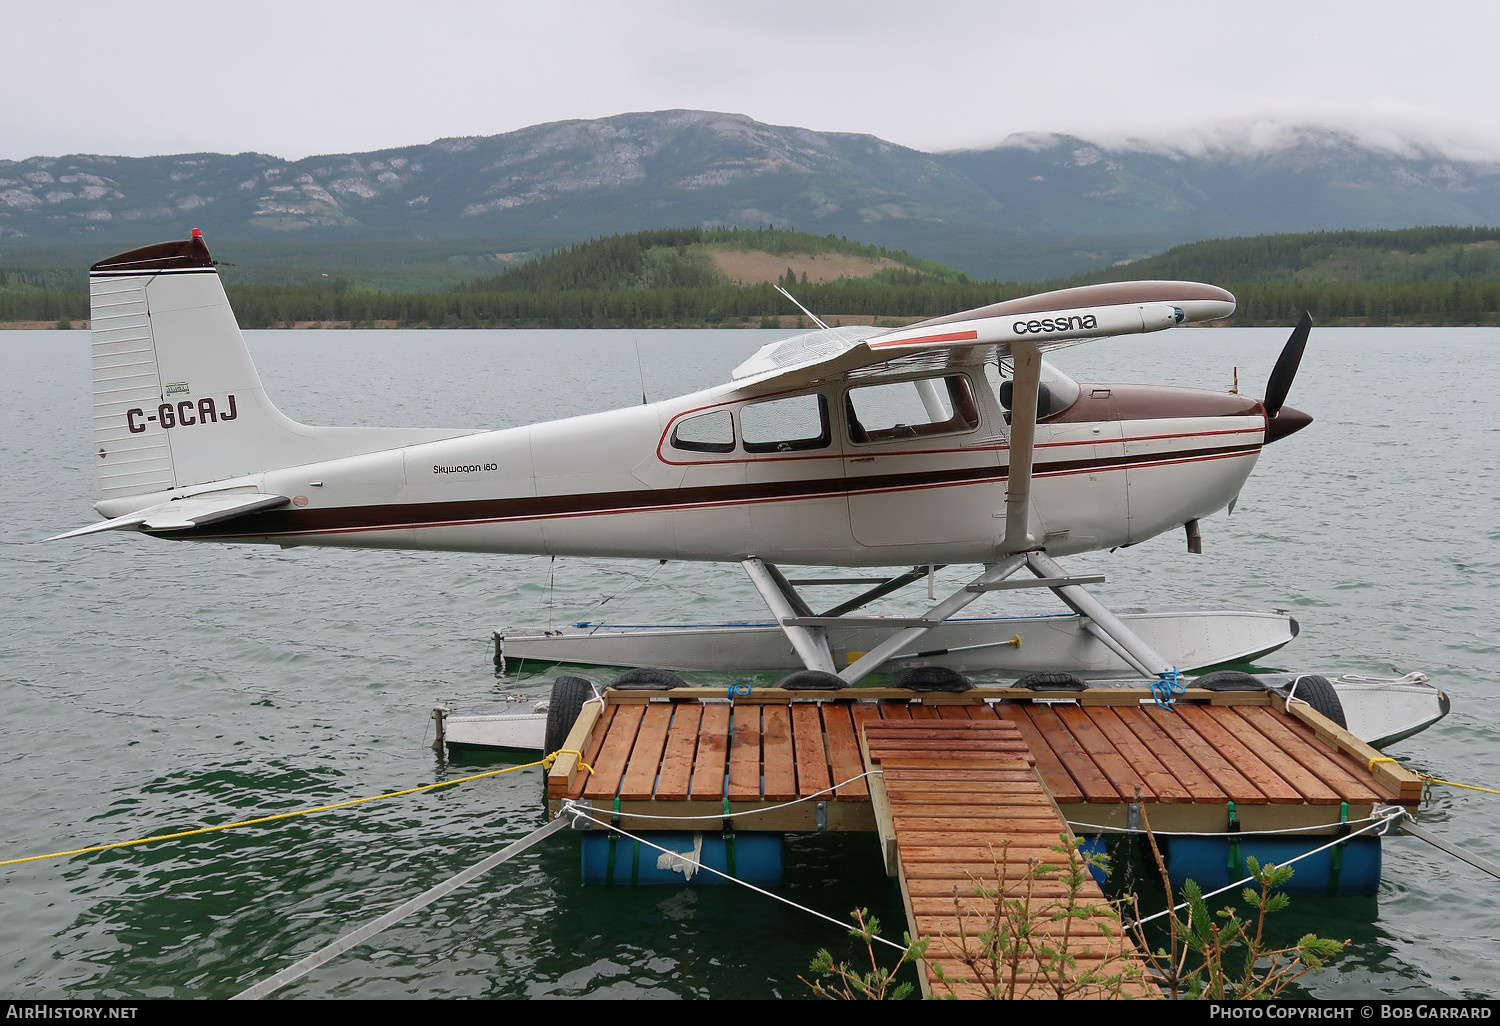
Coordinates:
[148,687]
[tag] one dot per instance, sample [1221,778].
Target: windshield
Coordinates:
[1055,393]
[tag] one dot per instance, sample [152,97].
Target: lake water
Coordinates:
[149,687]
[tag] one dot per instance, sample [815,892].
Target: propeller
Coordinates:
[1282,420]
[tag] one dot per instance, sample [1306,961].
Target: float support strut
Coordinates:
[1104,625]
[872,660]
[811,645]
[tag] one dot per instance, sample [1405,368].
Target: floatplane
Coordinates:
[946,442]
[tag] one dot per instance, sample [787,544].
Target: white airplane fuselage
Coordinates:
[614,484]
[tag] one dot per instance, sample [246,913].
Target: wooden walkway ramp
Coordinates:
[965,822]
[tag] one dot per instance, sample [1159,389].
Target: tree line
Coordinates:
[665,279]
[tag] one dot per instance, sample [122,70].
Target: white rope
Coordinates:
[1394,813]
[579,812]
[720,817]
[1101,828]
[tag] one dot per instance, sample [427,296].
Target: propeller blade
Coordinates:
[1280,382]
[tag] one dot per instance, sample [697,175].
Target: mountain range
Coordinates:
[1034,207]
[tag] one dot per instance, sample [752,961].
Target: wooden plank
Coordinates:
[1059,781]
[979,805]
[1000,779]
[1110,722]
[1127,782]
[1263,778]
[601,729]
[1313,789]
[1352,782]
[1018,819]
[677,760]
[710,760]
[639,781]
[745,753]
[844,758]
[1404,784]
[863,713]
[1199,785]
[809,754]
[567,775]
[778,775]
[1053,734]
[1231,782]
[934,893]
[959,770]
[614,754]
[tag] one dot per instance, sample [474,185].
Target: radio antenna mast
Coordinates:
[815,318]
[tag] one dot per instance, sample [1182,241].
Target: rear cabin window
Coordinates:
[910,409]
[707,432]
[792,424]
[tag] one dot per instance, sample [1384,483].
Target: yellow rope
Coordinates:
[547,762]
[1450,783]
[1435,780]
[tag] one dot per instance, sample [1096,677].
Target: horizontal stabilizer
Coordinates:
[185,513]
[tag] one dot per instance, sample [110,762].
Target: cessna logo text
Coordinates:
[1046,324]
[186,413]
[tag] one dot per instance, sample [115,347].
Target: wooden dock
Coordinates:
[975,782]
[967,827]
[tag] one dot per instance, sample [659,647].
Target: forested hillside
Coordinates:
[694,277]
[1439,275]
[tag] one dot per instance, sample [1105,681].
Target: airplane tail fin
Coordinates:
[177,399]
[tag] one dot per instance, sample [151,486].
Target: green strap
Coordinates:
[1235,863]
[1336,854]
[614,840]
[729,841]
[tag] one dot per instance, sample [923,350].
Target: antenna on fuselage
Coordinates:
[815,318]
[641,370]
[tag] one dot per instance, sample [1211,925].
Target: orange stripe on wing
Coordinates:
[953,336]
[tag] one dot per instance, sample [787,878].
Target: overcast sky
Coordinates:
[331,76]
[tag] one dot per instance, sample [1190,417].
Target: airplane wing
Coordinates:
[1047,321]
[185,513]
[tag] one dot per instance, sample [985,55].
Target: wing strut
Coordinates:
[1028,374]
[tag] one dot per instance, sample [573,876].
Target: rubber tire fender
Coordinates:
[1051,680]
[1319,693]
[812,680]
[1227,680]
[568,696]
[647,678]
[932,678]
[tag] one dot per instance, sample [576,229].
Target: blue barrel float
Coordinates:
[1350,869]
[610,858]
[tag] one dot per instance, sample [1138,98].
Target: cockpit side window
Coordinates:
[791,424]
[707,432]
[1055,392]
[910,409]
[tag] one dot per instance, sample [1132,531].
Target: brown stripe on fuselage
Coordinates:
[445,514]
